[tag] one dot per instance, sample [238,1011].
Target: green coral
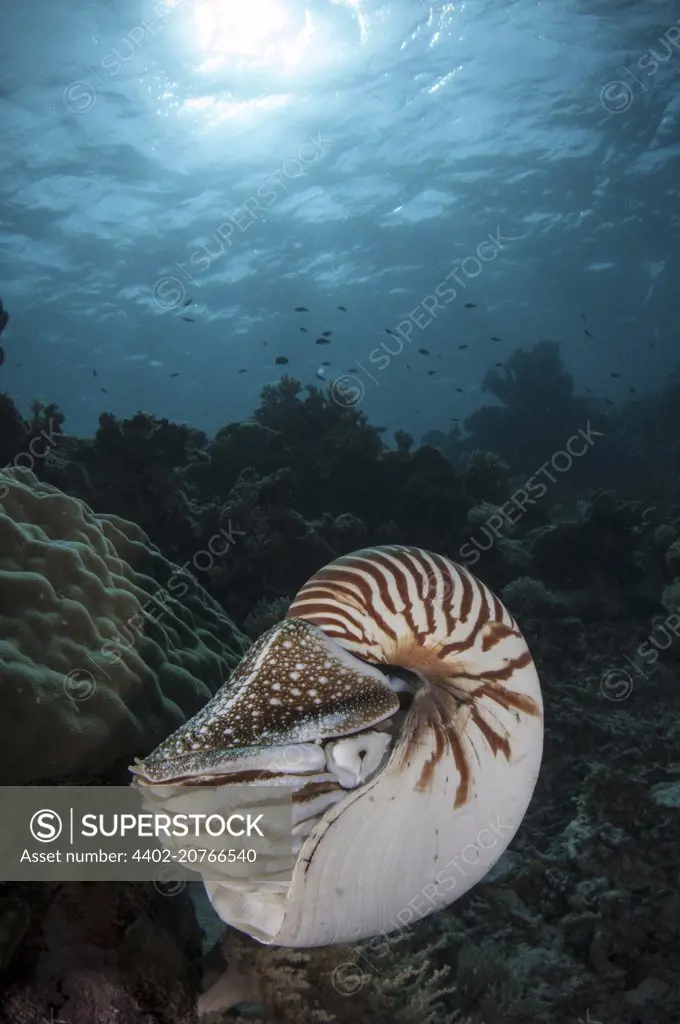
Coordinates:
[105,645]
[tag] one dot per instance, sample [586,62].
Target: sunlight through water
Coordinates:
[256,55]
[260,34]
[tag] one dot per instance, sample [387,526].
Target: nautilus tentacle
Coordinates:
[401,702]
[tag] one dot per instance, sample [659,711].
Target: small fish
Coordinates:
[104,391]
[408,366]
[499,364]
[280,360]
[18,364]
[461,347]
[320,374]
[590,391]
[326,364]
[587,332]
[322,341]
[583,317]
[94,373]
[430,372]
[460,391]
[670,375]
[326,334]
[423,352]
[494,337]
[301,309]
[242,371]
[614,374]
[189,319]
[174,374]
[471,305]
[4,317]
[342,308]
[632,391]
[609,401]
[2,355]
[187,303]
[303,329]
[388,331]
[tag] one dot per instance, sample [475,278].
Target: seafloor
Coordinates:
[578,921]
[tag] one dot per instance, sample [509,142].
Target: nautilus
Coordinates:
[400,701]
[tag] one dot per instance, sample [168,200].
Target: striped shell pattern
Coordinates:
[400,701]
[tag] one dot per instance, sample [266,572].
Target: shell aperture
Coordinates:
[388,794]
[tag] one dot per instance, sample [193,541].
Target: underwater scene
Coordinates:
[340,512]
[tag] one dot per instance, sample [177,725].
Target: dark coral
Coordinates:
[26,442]
[538,415]
[597,547]
[100,953]
[579,917]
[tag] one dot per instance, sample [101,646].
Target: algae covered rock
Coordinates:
[105,646]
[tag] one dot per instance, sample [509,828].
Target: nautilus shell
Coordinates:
[400,701]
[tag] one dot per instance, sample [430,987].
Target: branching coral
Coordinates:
[403,980]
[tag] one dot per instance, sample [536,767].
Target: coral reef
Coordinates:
[264,615]
[106,646]
[100,953]
[403,980]
[578,920]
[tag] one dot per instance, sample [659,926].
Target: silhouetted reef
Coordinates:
[580,915]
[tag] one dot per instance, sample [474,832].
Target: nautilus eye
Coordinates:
[400,702]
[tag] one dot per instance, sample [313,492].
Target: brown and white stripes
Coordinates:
[412,609]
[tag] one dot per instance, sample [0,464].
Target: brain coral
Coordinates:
[105,646]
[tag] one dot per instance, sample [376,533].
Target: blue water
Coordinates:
[348,153]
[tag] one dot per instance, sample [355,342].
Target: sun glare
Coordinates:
[258,54]
[257,34]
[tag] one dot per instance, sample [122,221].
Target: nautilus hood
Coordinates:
[400,701]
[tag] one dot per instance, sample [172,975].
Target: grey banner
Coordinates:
[145,833]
